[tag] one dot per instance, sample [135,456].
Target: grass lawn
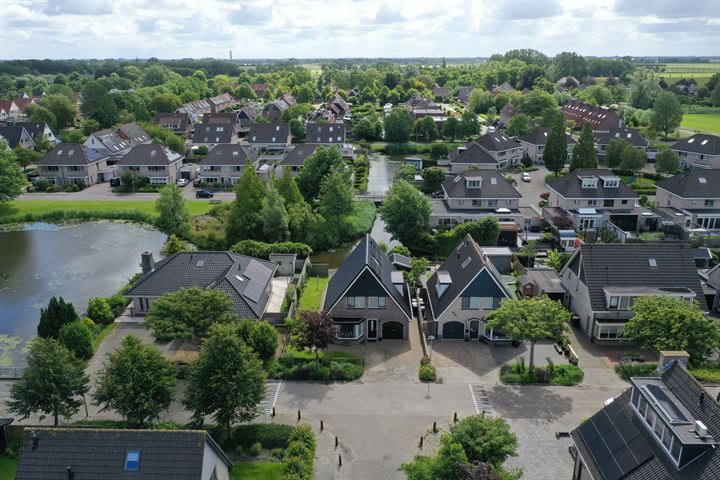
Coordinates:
[37,207]
[9,465]
[254,471]
[702,122]
[329,354]
[313,292]
[651,236]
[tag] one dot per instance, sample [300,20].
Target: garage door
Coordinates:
[453,331]
[392,331]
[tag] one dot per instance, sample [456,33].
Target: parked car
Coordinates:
[438,194]
[114,182]
[525,177]
[182,182]
[203,194]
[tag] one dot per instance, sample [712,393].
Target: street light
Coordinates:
[431,338]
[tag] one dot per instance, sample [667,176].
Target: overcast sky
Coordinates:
[354,28]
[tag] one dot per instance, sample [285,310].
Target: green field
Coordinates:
[313,292]
[257,471]
[699,71]
[702,122]
[38,207]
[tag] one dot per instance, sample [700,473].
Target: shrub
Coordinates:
[300,454]
[425,360]
[626,370]
[269,435]
[545,195]
[76,337]
[89,323]
[278,453]
[100,311]
[254,248]
[263,339]
[118,303]
[255,449]
[427,373]
[706,373]
[517,373]
[304,435]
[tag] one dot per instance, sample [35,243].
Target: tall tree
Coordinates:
[426,129]
[173,217]
[555,153]
[406,212]
[98,103]
[469,124]
[77,337]
[62,108]
[452,128]
[398,125]
[275,216]
[40,114]
[26,156]
[315,168]
[667,162]
[226,381]
[614,153]
[12,178]
[174,244]
[519,125]
[314,331]
[531,319]
[288,188]
[336,196]
[633,159]
[136,381]
[644,88]
[584,154]
[666,113]
[485,439]
[52,318]
[188,313]
[570,63]
[51,383]
[433,178]
[245,219]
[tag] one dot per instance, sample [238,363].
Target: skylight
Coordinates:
[652,262]
[466,262]
[702,180]
[691,140]
[704,142]
[493,181]
[200,263]
[132,461]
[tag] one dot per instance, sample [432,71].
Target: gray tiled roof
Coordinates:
[13,134]
[497,142]
[179,119]
[688,391]
[299,154]
[539,137]
[627,265]
[699,143]
[628,135]
[569,186]
[493,185]
[212,270]
[265,132]
[99,454]
[546,279]
[35,129]
[70,154]
[134,132]
[227,154]
[150,154]
[213,133]
[325,132]
[473,154]
[689,185]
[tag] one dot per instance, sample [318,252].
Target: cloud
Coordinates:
[388,15]
[670,9]
[78,7]
[524,10]
[251,15]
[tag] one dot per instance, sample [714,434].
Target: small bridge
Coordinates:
[376,197]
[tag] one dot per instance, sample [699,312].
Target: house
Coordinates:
[220,102]
[474,194]
[501,257]
[420,107]
[464,94]
[179,123]
[507,113]
[247,280]
[464,289]
[269,138]
[534,143]
[70,163]
[539,281]
[22,103]
[195,109]
[156,162]
[39,130]
[109,454]
[230,119]
[225,164]
[259,89]
[325,134]
[473,156]
[339,107]
[664,426]
[212,134]
[566,83]
[368,298]
[273,111]
[440,92]
[108,143]
[246,115]
[491,151]
[594,197]
[603,280]
[633,137]
[16,136]
[601,119]
[9,109]
[505,87]
[699,151]
[296,157]
[690,199]
[133,133]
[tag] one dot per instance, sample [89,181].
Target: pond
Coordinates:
[76,262]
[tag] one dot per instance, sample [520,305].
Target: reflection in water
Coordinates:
[77,262]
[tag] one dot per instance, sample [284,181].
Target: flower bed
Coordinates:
[518,373]
[333,366]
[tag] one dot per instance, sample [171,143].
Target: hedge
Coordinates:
[254,248]
[269,435]
[62,215]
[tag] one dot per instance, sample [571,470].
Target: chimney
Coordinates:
[35,439]
[71,474]
[147,262]
[668,356]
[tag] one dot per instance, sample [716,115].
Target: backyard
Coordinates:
[9,465]
[251,471]
[313,292]
[702,122]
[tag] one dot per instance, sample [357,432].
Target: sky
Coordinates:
[354,28]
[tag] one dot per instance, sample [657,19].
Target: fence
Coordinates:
[619,233]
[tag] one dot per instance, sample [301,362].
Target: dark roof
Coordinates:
[248,112]
[687,391]
[461,273]
[133,132]
[492,185]
[497,142]
[539,137]
[695,183]
[325,133]
[367,254]
[227,154]
[546,279]
[628,265]
[628,135]
[70,154]
[109,140]
[464,93]
[699,143]
[219,270]
[99,454]
[13,134]
[222,117]
[581,113]
[266,132]
[299,154]
[174,118]
[569,186]
[472,154]
[150,154]
[35,129]
[213,133]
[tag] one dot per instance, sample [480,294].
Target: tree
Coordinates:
[172,245]
[433,178]
[261,336]
[173,217]
[418,267]
[99,310]
[406,212]
[164,102]
[62,108]
[188,313]
[51,383]
[536,102]
[315,168]
[226,381]
[485,231]
[555,153]
[274,216]
[485,439]
[584,154]
[570,63]
[335,196]
[57,314]
[614,153]
[644,88]
[439,150]
[366,129]
[426,129]
[550,117]
[26,156]
[40,114]
[672,323]
[557,260]
[715,96]
[480,101]
[667,161]
[398,125]
[245,220]
[314,331]
[469,124]
[633,159]
[666,113]
[519,125]
[531,319]
[452,128]
[406,172]
[448,464]
[89,126]
[297,128]
[136,381]
[288,188]
[155,75]
[98,103]
[12,178]
[76,337]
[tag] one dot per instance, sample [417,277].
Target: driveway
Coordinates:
[531,190]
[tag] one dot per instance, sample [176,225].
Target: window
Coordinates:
[477,203]
[132,461]
[355,302]
[709,202]
[473,184]
[650,416]
[488,303]
[609,332]
[470,303]
[675,450]
[635,397]
[156,168]
[376,302]
[349,330]
[592,203]
[492,203]
[624,202]
[613,302]
[608,203]
[667,438]
[659,429]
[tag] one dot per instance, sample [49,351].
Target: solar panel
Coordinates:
[253,291]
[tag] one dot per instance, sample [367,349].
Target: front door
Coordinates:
[474,329]
[372,329]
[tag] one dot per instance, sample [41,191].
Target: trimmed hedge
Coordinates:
[567,375]
[254,248]
[269,435]
[627,370]
[299,458]
[54,216]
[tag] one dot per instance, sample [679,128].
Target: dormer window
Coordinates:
[588,182]
[611,182]
[474,183]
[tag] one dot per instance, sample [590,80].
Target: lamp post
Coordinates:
[431,338]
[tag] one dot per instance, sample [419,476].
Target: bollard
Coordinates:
[299,415]
[336,442]
[273,412]
[339,459]
[421,441]
[321,425]
[434,427]
[455,418]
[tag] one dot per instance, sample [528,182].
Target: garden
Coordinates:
[518,373]
[329,366]
[312,293]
